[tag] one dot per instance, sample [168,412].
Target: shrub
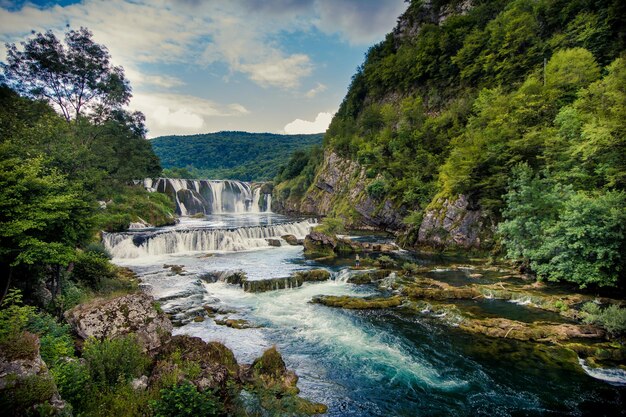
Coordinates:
[184,400]
[331,226]
[112,361]
[612,318]
[377,189]
[22,394]
[72,378]
[385,261]
[13,315]
[91,268]
[55,339]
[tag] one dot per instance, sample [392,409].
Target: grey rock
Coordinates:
[134,313]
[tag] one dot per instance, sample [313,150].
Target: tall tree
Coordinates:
[72,76]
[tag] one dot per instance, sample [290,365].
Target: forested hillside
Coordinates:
[512,111]
[229,155]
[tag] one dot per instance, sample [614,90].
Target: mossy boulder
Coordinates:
[26,386]
[319,245]
[538,331]
[276,386]
[134,313]
[357,303]
[425,288]
[206,365]
[291,239]
[293,281]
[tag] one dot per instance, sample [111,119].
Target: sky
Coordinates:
[197,66]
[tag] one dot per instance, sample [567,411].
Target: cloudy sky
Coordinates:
[199,66]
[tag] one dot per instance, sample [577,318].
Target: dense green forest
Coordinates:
[229,155]
[519,105]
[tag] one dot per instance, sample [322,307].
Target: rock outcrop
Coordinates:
[134,313]
[26,386]
[320,245]
[456,223]
[340,189]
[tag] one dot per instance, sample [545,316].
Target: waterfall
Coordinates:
[211,196]
[138,244]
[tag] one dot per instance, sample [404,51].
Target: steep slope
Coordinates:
[233,155]
[443,109]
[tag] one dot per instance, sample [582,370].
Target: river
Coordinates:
[359,363]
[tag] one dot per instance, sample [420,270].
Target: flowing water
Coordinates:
[359,363]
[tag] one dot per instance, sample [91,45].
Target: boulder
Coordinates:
[292,240]
[274,242]
[134,313]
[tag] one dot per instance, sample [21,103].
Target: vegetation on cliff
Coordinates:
[230,155]
[462,97]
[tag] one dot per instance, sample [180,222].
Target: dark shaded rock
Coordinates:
[292,240]
[274,242]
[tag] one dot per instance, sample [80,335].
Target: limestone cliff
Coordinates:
[340,189]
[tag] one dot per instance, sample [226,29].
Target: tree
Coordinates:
[73,76]
[41,217]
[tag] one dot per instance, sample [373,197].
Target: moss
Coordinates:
[357,303]
[24,345]
[234,323]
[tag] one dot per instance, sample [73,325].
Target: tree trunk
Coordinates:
[5,279]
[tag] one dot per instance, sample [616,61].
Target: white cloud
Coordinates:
[319,125]
[361,22]
[183,114]
[319,88]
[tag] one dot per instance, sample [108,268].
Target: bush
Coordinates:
[330,226]
[612,318]
[55,339]
[13,315]
[184,400]
[22,394]
[377,189]
[91,268]
[113,361]
[72,379]
[385,261]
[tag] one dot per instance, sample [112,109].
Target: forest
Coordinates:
[229,155]
[518,105]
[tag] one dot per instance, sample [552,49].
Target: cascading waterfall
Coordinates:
[134,245]
[211,196]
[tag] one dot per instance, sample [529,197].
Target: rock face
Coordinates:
[320,245]
[134,313]
[456,223]
[343,183]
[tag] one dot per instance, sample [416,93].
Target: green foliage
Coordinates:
[587,243]
[377,189]
[114,360]
[24,393]
[72,379]
[92,267]
[385,261]
[576,237]
[14,316]
[55,338]
[243,156]
[184,400]
[131,203]
[331,226]
[612,318]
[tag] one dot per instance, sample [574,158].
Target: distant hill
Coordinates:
[233,155]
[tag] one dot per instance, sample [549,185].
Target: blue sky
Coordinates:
[199,66]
